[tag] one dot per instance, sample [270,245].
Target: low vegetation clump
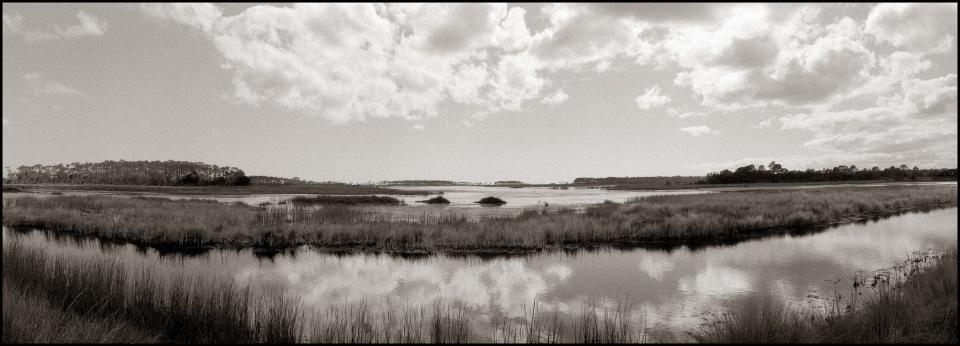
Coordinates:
[921,309]
[669,220]
[346,200]
[11,189]
[436,200]
[491,201]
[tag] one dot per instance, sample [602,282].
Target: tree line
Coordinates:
[162,173]
[637,180]
[776,173]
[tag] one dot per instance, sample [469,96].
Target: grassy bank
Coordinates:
[678,219]
[321,189]
[921,309]
[70,299]
[117,304]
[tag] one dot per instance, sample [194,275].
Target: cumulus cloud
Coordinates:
[347,62]
[921,27]
[558,97]
[749,60]
[652,98]
[699,130]
[863,82]
[88,25]
[917,121]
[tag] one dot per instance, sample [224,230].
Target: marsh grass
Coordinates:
[29,319]
[103,292]
[920,307]
[441,322]
[326,189]
[593,324]
[67,298]
[677,219]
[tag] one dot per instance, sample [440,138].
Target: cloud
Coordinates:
[348,62]
[88,26]
[682,115]
[418,127]
[698,131]
[652,98]
[199,16]
[920,27]
[850,78]
[41,87]
[764,124]
[918,121]
[557,98]
[751,61]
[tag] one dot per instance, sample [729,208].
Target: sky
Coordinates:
[481,92]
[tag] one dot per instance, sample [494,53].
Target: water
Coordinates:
[672,289]
[459,196]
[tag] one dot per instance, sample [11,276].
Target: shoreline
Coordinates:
[218,191]
[347,189]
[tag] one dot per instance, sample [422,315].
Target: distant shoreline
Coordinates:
[315,189]
[347,189]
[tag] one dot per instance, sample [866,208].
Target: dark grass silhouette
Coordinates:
[436,200]
[491,201]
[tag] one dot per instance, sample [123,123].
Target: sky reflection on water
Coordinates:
[672,288]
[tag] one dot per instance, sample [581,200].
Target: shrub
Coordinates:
[491,201]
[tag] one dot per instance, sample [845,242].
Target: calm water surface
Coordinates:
[459,196]
[672,290]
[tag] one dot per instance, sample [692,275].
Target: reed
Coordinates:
[66,298]
[29,319]
[102,291]
[920,308]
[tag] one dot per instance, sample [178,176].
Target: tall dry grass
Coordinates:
[65,298]
[920,309]
[104,292]
[674,219]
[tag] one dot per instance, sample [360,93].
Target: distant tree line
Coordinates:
[776,173]
[268,180]
[638,180]
[122,172]
[420,183]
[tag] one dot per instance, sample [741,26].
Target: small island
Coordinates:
[436,200]
[491,201]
